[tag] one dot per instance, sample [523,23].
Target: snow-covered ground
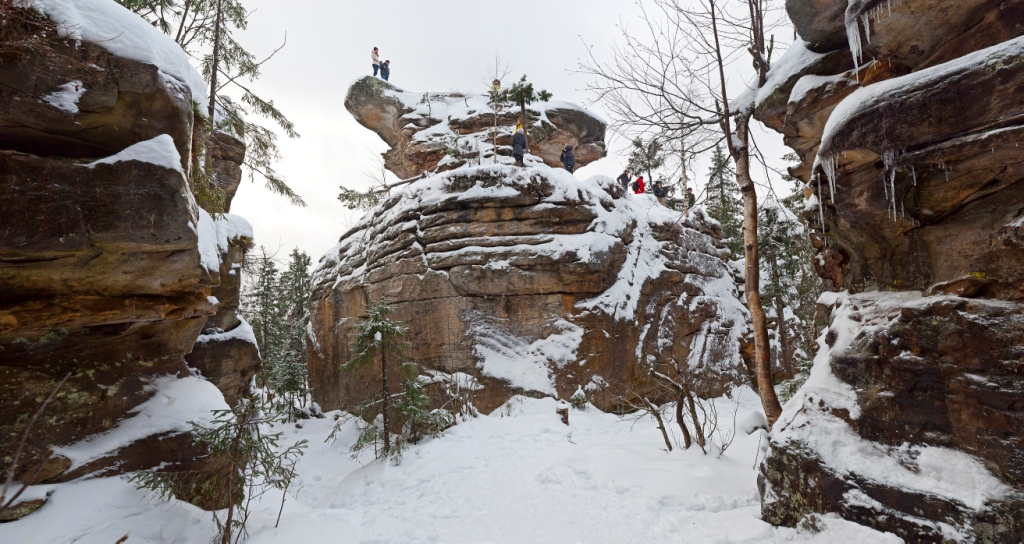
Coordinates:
[507,477]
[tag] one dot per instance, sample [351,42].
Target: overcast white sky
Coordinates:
[433,45]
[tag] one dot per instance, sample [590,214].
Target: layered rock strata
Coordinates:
[106,262]
[912,419]
[531,281]
[437,132]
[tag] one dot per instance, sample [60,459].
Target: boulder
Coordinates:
[531,282]
[437,132]
[910,423]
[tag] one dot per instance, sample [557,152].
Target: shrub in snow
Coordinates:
[248,463]
[579,400]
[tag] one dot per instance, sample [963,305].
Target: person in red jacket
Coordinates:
[638,185]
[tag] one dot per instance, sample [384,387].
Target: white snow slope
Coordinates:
[515,476]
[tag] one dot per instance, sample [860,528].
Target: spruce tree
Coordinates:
[275,303]
[379,341]
[723,202]
[290,378]
[205,31]
[522,93]
[646,157]
[250,463]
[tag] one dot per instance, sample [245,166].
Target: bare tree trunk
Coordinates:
[216,62]
[687,441]
[522,113]
[785,352]
[697,429]
[752,276]
[661,422]
[494,134]
[235,460]
[385,400]
[682,166]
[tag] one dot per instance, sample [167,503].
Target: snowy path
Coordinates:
[523,478]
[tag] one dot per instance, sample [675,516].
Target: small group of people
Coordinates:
[657,189]
[519,149]
[383,67]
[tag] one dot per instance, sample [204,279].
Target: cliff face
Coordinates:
[106,265]
[533,282]
[437,132]
[907,119]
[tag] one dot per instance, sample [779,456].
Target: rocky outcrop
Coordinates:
[531,282]
[226,352]
[437,132]
[106,262]
[909,150]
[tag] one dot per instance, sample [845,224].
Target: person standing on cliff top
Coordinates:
[519,147]
[375,58]
[690,199]
[624,180]
[568,159]
[385,70]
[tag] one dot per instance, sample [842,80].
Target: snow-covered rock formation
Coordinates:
[436,132]
[907,117]
[106,262]
[530,280]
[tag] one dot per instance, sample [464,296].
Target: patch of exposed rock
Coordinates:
[108,267]
[532,282]
[914,189]
[437,132]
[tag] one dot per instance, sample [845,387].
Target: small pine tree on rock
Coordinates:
[249,459]
[379,341]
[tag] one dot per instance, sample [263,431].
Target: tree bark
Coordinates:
[522,113]
[687,441]
[661,422]
[385,400]
[682,166]
[752,276]
[216,62]
[692,406]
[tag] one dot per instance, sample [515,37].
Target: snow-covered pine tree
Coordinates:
[264,308]
[723,202]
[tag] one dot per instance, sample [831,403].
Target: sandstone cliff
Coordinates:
[436,132]
[533,282]
[907,119]
[106,262]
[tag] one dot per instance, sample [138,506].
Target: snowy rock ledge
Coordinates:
[532,281]
[437,132]
[897,429]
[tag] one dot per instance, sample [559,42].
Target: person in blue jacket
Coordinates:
[568,160]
